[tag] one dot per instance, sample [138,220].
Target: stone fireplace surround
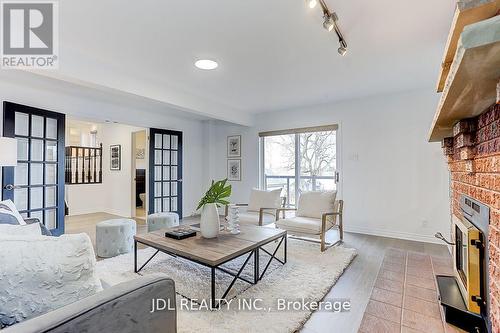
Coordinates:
[474,161]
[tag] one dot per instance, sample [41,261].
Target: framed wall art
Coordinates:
[115,160]
[234,146]
[234,169]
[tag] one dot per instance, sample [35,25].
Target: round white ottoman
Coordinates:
[162,220]
[115,237]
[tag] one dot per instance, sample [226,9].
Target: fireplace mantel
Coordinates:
[470,87]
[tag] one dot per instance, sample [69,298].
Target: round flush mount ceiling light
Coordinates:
[206,64]
[312,3]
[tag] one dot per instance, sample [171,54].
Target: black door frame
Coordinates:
[151,171]
[9,110]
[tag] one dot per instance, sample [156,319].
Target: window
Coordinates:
[299,160]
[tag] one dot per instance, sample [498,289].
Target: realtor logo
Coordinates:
[29,34]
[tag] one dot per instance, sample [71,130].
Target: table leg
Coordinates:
[212,293]
[135,256]
[285,248]
[256,269]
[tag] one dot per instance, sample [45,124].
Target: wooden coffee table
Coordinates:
[215,252]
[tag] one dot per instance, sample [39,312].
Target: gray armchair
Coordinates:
[123,308]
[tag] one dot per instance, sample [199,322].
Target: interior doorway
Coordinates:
[139,170]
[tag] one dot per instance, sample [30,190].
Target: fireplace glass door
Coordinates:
[461,254]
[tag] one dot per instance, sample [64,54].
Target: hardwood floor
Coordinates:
[355,284]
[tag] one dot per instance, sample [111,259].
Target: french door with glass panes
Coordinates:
[165,171]
[36,184]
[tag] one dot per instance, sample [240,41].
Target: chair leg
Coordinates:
[341,228]
[323,247]
[323,233]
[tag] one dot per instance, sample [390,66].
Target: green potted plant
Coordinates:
[215,196]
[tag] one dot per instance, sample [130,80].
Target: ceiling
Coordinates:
[272,55]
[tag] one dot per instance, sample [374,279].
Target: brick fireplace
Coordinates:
[473,155]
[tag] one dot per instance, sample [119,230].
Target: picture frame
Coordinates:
[115,157]
[140,153]
[234,169]
[234,146]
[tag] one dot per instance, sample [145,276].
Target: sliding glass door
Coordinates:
[300,160]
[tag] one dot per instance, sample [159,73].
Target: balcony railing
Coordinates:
[288,184]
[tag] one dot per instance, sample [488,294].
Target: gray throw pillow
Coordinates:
[6,217]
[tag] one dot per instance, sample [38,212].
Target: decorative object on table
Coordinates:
[180,233]
[498,92]
[162,220]
[234,146]
[140,153]
[233,219]
[115,157]
[234,170]
[8,152]
[215,196]
[115,237]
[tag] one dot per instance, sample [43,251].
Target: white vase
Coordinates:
[209,224]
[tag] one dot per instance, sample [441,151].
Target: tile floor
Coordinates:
[404,297]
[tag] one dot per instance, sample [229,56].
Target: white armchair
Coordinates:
[316,213]
[261,208]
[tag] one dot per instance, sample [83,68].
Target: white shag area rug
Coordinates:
[308,274]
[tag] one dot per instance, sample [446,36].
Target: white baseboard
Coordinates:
[394,234]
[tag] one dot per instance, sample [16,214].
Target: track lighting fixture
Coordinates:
[330,23]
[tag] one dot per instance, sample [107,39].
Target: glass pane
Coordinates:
[166,173]
[174,188]
[173,176]
[157,172]
[173,160]
[158,141]
[36,150]
[173,204]
[157,156]
[166,204]
[37,215]
[36,176]
[279,165]
[51,152]
[317,159]
[166,189]
[37,126]
[166,157]
[166,141]
[157,205]
[51,132]
[157,189]
[21,121]
[50,219]
[24,215]
[50,196]
[22,149]
[50,174]
[174,141]
[21,198]
[36,197]
[21,174]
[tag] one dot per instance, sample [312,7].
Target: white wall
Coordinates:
[394,182]
[114,194]
[82,103]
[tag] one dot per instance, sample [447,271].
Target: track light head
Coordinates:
[311,3]
[329,23]
[342,51]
